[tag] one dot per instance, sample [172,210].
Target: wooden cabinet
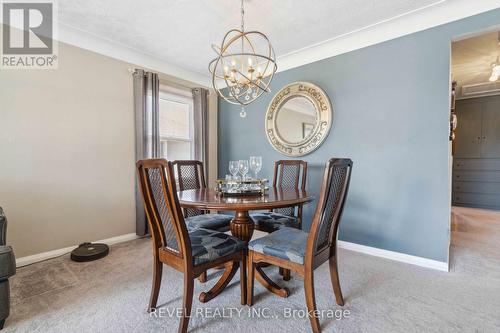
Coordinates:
[478,131]
[468,133]
[490,139]
[476,166]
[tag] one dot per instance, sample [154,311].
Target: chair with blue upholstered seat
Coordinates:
[191,176]
[304,252]
[191,252]
[218,222]
[286,243]
[209,245]
[288,174]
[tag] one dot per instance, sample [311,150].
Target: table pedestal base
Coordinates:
[231,269]
[242,226]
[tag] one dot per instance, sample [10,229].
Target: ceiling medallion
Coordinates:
[244,67]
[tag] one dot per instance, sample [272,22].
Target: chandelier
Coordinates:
[244,66]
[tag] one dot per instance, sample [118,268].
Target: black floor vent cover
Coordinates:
[89,252]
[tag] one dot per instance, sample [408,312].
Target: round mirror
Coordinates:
[298,119]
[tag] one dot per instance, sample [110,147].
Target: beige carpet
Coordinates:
[110,295]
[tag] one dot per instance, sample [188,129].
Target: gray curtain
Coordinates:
[147,131]
[200,102]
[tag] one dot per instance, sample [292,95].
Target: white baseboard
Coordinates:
[397,256]
[59,252]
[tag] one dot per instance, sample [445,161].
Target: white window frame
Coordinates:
[176,95]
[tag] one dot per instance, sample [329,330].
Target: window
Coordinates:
[176,124]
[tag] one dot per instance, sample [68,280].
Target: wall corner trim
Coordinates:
[88,41]
[396,256]
[28,260]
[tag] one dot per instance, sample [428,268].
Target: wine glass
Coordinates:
[256,164]
[243,168]
[234,168]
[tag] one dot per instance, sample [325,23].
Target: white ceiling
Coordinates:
[180,32]
[472,58]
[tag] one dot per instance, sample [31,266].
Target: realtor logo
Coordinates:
[28,35]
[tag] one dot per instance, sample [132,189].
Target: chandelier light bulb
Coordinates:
[495,71]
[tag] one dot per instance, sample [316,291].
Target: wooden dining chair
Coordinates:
[288,174]
[191,176]
[190,252]
[303,252]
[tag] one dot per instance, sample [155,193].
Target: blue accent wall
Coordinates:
[391,117]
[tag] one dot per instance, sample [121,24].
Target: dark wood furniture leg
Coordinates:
[155,287]
[311,300]
[250,280]
[243,279]
[285,273]
[187,302]
[270,284]
[203,277]
[334,275]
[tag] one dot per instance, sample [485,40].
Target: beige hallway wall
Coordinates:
[67,152]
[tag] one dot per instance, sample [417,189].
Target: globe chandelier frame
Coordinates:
[241,76]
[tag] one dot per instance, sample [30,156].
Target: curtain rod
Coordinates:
[132,70]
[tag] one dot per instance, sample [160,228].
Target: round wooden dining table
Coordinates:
[242,226]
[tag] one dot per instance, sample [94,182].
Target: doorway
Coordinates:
[475,111]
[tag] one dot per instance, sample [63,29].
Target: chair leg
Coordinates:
[250,278]
[187,301]
[2,322]
[285,273]
[155,287]
[311,301]
[243,279]
[203,277]
[334,275]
